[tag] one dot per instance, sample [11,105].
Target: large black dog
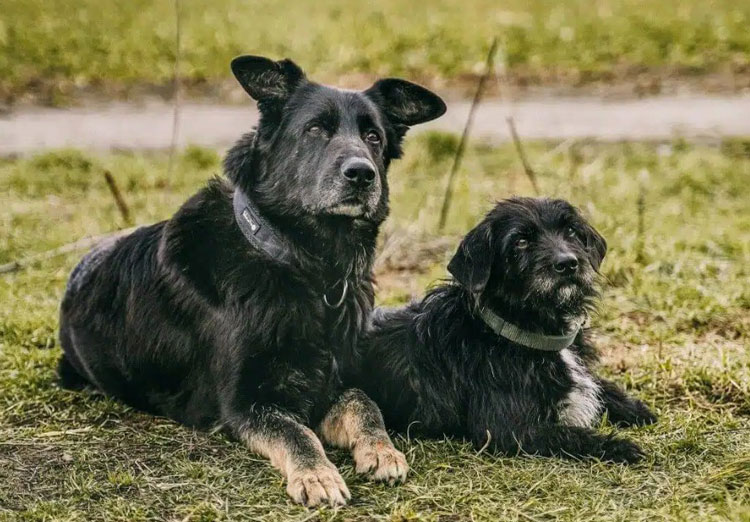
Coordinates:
[499,355]
[236,311]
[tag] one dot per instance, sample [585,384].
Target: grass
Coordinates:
[673,328]
[49,50]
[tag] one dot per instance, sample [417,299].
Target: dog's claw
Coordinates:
[319,485]
[644,416]
[380,461]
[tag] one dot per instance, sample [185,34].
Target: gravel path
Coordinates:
[123,126]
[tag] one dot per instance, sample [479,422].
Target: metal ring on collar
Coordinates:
[341,299]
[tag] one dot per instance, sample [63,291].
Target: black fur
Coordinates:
[185,319]
[434,367]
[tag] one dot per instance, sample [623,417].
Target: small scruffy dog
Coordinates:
[499,355]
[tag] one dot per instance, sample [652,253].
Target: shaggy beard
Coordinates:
[558,305]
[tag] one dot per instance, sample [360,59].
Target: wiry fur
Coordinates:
[186,319]
[434,367]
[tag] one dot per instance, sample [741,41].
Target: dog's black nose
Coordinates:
[566,263]
[359,171]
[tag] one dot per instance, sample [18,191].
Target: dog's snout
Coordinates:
[359,171]
[565,263]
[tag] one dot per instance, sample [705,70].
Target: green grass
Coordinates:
[673,328]
[50,49]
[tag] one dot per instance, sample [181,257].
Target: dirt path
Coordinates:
[122,126]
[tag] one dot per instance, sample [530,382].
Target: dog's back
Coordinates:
[73,371]
[118,336]
[101,278]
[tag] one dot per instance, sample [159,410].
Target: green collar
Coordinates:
[536,341]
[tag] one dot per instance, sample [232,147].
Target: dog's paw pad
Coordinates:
[316,486]
[381,461]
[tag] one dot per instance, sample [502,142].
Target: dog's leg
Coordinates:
[296,451]
[355,422]
[512,432]
[564,441]
[622,409]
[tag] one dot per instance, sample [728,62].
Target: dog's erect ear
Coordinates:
[472,263]
[406,103]
[596,245]
[266,80]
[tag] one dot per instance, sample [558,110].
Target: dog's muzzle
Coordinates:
[360,172]
[360,188]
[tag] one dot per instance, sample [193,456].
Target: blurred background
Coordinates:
[54,52]
[113,113]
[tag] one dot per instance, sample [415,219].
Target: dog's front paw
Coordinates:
[621,450]
[380,461]
[318,485]
[637,414]
[641,415]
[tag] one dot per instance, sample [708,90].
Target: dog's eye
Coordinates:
[317,130]
[522,243]
[571,232]
[372,137]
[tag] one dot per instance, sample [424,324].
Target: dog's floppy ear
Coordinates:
[596,245]
[406,103]
[267,81]
[472,263]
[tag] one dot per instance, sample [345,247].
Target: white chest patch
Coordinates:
[583,405]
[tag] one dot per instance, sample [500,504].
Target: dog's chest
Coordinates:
[582,405]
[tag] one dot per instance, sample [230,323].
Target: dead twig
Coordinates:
[86,242]
[640,241]
[521,154]
[641,204]
[575,160]
[176,94]
[465,136]
[119,200]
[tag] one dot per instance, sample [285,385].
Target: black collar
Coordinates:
[262,235]
[259,232]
